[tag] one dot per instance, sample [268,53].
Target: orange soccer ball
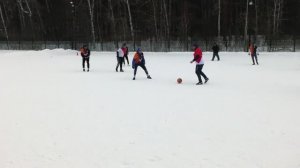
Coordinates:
[179,80]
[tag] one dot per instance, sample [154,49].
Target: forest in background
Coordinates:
[93,21]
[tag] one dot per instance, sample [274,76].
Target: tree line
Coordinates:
[136,20]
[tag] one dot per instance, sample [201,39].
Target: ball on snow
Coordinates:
[179,80]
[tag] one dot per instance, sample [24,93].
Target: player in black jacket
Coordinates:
[85,54]
[215,49]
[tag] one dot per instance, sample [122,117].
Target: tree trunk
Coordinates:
[279,15]
[6,14]
[99,17]
[21,18]
[167,25]
[91,4]
[131,24]
[31,21]
[28,7]
[155,20]
[256,19]
[274,17]
[170,13]
[246,25]
[21,12]
[4,25]
[185,25]
[219,18]
[41,22]
[113,22]
[47,5]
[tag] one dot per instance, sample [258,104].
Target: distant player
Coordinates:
[198,59]
[85,54]
[253,53]
[215,49]
[120,59]
[139,60]
[126,52]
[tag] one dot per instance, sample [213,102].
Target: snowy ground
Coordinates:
[53,115]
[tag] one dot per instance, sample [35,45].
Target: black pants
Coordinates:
[87,60]
[215,55]
[142,66]
[254,57]
[200,73]
[120,62]
[126,56]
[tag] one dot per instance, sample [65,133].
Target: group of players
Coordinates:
[122,54]
[139,59]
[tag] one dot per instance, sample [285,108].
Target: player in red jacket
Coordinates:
[198,59]
[126,52]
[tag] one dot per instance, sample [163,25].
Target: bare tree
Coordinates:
[22,19]
[113,22]
[41,21]
[28,7]
[246,25]
[47,5]
[186,23]
[5,13]
[155,20]
[167,24]
[131,24]
[219,18]
[277,14]
[98,18]
[256,18]
[4,25]
[162,20]
[26,11]
[21,13]
[91,5]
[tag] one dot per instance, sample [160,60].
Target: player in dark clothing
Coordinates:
[126,52]
[85,54]
[253,53]
[215,49]
[139,60]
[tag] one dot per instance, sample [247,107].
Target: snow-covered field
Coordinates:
[53,115]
